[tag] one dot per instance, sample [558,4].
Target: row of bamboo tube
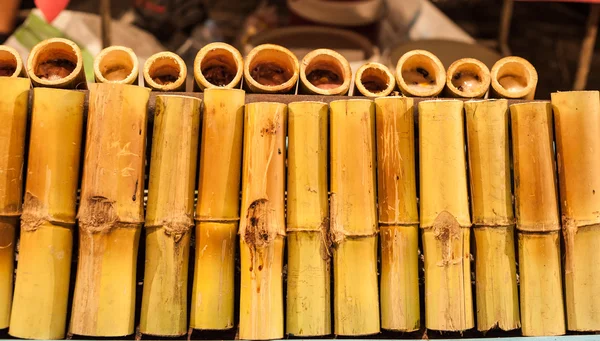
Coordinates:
[361,151]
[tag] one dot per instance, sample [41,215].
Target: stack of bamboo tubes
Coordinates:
[298,198]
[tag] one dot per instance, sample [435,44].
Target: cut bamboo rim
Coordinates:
[308,281]
[354,231]
[536,207]
[218,209]
[218,65]
[11,64]
[513,77]
[13,115]
[116,64]
[467,78]
[420,73]
[45,247]
[445,219]
[271,68]
[169,215]
[577,123]
[165,71]
[262,231]
[111,210]
[497,299]
[374,80]
[325,72]
[56,63]
[398,216]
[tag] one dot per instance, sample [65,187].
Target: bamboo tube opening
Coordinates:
[468,78]
[55,62]
[218,64]
[116,64]
[271,68]
[325,72]
[165,71]
[420,73]
[374,80]
[514,77]
[11,64]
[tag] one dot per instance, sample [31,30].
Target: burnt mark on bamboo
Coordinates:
[134,197]
[98,214]
[446,230]
[257,233]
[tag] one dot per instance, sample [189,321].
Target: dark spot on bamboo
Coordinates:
[260,267]
[423,72]
[456,76]
[135,191]
[279,151]
[397,177]
[269,129]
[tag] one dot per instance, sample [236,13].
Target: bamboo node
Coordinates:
[35,213]
[176,228]
[98,214]
[446,228]
[258,233]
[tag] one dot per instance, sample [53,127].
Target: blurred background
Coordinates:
[547,33]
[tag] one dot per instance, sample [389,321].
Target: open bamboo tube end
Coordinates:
[218,65]
[271,69]
[116,64]
[374,80]
[11,64]
[513,77]
[420,73]
[56,63]
[165,71]
[325,72]
[468,78]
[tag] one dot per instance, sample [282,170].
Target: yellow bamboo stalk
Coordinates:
[354,231]
[56,63]
[170,215]
[308,280]
[271,68]
[111,210]
[420,73]
[13,115]
[497,299]
[218,65]
[11,64]
[116,64]
[39,308]
[467,78]
[536,207]
[325,72]
[262,232]
[374,80]
[218,209]
[398,217]
[513,77]
[577,122]
[165,71]
[445,217]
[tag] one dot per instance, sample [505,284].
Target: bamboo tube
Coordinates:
[513,77]
[218,65]
[325,72]
[467,78]
[11,64]
[218,209]
[536,207]
[165,71]
[39,309]
[111,210]
[170,215]
[374,80]
[577,123]
[308,280]
[116,64]
[420,73]
[398,217]
[13,115]
[497,299]
[271,68]
[56,63]
[262,233]
[445,217]
[354,231]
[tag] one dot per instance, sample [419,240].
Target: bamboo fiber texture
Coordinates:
[111,210]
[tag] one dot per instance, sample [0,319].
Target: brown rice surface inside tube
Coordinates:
[420,73]
[56,63]
[11,64]
[165,71]
[270,68]
[374,80]
[218,65]
[325,72]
